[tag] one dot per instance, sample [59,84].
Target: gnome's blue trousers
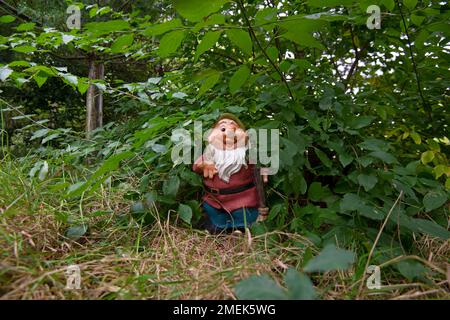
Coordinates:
[220,220]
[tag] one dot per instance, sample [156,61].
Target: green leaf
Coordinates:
[316,191]
[298,183]
[427,156]
[345,159]
[209,82]
[83,85]
[76,232]
[384,156]
[171,186]
[361,122]
[259,288]
[299,286]
[209,40]
[323,158]
[100,28]
[351,202]
[274,210]
[374,144]
[7,19]
[239,78]
[417,20]
[330,3]
[50,137]
[138,209]
[416,137]
[216,18]
[304,39]
[389,4]
[410,4]
[370,212]
[170,43]
[74,187]
[70,79]
[264,16]
[26,26]
[122,43]
[434,199]
[241,39]
[441,169]
[161,28]
[19,63]
[367,181]
[39,134]
[431,228]
[196,10]
[40,78]
[331,258]
[24,49]
[5,72]
[411,269]
[67,38]
[185,213]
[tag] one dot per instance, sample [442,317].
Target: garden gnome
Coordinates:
[231,200]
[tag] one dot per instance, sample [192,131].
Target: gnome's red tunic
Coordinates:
[230,202]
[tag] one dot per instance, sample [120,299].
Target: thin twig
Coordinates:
[419,87]
[252,32]
[375,243]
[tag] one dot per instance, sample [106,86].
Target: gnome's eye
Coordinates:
[223,129]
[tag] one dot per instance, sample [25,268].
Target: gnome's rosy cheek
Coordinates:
[241,137]
[216,138]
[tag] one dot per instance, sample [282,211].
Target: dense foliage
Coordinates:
[363,113]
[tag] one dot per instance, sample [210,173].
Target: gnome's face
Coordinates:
[227,135]
[229,142]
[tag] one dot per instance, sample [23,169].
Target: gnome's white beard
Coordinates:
[229,162]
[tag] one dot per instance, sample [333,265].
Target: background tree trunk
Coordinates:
[99,97]
[90,100]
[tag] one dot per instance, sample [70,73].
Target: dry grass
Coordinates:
[168,263]
[120,259]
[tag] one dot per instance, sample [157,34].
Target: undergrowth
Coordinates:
[122,258]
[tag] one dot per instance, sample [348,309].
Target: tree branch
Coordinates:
[252,33]
[11,9]
[426,107]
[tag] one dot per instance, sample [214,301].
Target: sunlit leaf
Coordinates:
[170,42]
[241,39]
[196,10]
[208,41]
[239,78]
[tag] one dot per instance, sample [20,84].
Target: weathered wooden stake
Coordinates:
[90,100]
[99,97]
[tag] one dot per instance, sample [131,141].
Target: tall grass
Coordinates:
[121,258]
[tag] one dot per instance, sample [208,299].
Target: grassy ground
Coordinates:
[120,259]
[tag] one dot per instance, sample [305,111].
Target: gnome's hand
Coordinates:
[265,174]
[209,170]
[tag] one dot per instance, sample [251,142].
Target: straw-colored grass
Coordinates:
[121,259]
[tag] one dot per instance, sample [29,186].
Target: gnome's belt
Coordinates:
[229,190]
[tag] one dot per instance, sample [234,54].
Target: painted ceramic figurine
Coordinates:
[232,200]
